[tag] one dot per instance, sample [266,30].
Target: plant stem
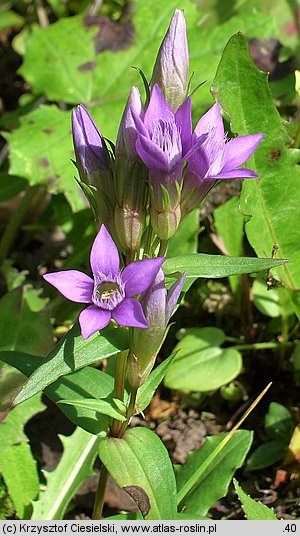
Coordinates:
[257,346]
[99,500]
[15,222]
[163,248]
[129,412]
[120,376]
[148,241]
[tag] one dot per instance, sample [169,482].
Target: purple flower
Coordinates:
[216,158]
[172,63]
[158,306]
[110,291]
[90,149]
[126,139]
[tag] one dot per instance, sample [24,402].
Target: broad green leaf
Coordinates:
[140,464]
[278,422]
[185,240]
[9,19]
[201,364]
[41,152]
[19,471]
[11,428]
[88,382]
[73,353]
[215,266]
[253,509]
[75,466]
[130,515]
[271,201]
[10,186]
[147,390]
[267,454]
[77,74]
[22,329]
[213,483]
[111,406]
[57,68]
[229,224]
[275,302]
[11,382]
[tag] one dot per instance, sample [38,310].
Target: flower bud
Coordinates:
[165,212]
[144,345]
[172,62]
[127,136]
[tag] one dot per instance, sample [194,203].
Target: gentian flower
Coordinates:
[172,64]
[90,149]
[111,291]
[130,179]
[164,142]
[217,158]
[158,305]
[94,165]
[126,138]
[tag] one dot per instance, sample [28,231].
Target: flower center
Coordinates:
[167,136]
[108,292]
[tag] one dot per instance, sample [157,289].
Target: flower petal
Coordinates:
[104,254]
[151,154]
[158,108]
[241,173]
[93,319]
[130,313]
[127,134]
[238,150]
[72,284]
[89,145]
[139,275]
[212,120]
[173,295]
[183,118]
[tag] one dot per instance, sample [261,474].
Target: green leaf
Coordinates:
[253,509]
[147,390]
[11,428]
[111,406]
[267,454]
[140,464]
[9,19]
[73,353]
[71,76]
[88,382]
[214,481]
[75,466]
[201,364]
[215,266]
[229,224]
[22,329]
[278,422]
[271,201]
[19,471]
[10,186]
[41,150]
[275,302]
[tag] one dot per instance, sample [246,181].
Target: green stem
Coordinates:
[163,248]
[15,222]
[257,346]
[130,411]
[148,241]
[99,499]
[120,376]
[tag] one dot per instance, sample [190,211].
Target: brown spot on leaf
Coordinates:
[52,180]
[48,130]
[88,66]
[112,35]
[275,154]
[43,162]
[140,497]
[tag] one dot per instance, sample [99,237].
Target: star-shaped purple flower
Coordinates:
[111,291]
[217,157]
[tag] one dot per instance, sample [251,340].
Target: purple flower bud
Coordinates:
[172,63]
[111,291]
[90,149]
[158,306]
[127,136]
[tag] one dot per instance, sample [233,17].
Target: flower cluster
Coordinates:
[159,171]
